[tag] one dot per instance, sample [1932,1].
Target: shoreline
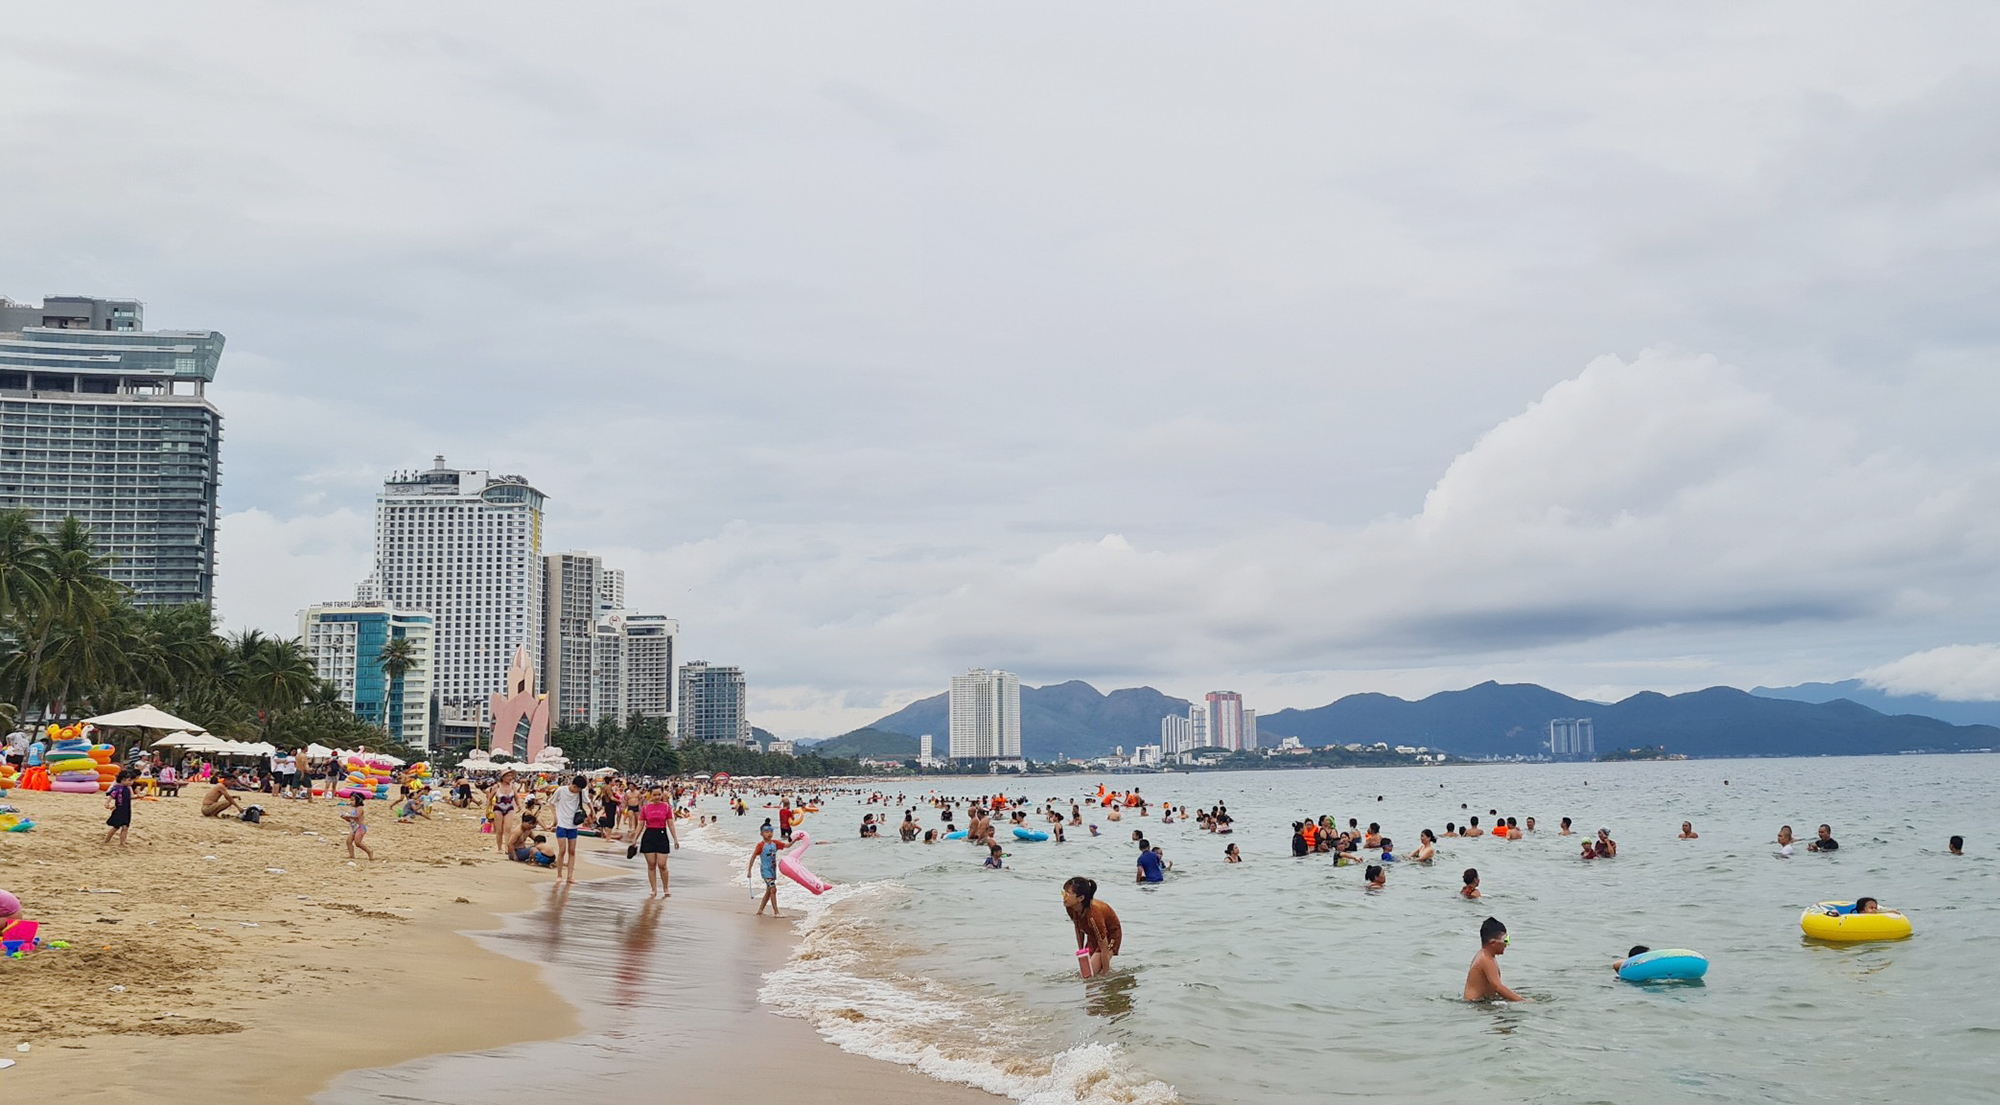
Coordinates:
[233,940]
[667,994]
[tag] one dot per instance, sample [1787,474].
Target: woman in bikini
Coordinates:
[504,810]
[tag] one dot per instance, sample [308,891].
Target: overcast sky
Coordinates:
[1293,349]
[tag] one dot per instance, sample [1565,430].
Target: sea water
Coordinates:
[1283,979]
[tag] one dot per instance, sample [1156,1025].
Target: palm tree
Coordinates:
[23,561]
[398,657]
[76,592]
[273,675]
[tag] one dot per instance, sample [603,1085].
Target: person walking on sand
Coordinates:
[357,826]
[119,801]
[1482,979]
[765,856]
[657,839]
[569,819]
[503,808]
[1098,934]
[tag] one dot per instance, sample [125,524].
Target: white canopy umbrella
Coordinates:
[140,717]
[260,748]
[318,752]
[179,740]
[392,761]
[601,772]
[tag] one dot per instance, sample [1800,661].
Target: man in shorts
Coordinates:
[569,818]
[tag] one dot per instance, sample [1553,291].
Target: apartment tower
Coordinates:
[467,547]
[105,420]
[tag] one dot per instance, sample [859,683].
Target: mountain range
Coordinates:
[1491,719]
[1854,690]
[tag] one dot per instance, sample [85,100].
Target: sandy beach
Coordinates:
[258,963]
[255,963]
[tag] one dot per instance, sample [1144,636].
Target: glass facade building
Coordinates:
[107,421]
[346,641]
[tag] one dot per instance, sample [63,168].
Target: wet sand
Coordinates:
[667,997]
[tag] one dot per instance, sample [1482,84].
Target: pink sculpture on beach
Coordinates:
[520,717]
[792,864]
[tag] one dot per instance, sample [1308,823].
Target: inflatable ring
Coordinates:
[1664,965]
[1029,834]
[792,865]
[58,767]
[1836,922]
[65,786]
[959,835]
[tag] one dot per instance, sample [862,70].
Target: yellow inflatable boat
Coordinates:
[1837,921]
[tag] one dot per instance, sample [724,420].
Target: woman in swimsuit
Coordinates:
[505,810]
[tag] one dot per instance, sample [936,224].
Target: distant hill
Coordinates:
[1071,718]
[1854,690]
[867,741]
[1491,719]
[1512,719]
[763,737]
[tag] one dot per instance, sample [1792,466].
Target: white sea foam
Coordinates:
[855,998]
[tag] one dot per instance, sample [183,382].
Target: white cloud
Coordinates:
[1955,673]
[852,333]
[268,569]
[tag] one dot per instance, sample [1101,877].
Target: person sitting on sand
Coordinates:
[1687,831]
[1482,979]
[1470,892]
[218,799]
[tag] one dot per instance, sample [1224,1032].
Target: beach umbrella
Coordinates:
[260,748]
[177,740]
[392,761]
[318,752]
[140,717]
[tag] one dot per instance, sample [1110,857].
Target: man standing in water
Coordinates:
[1482,981]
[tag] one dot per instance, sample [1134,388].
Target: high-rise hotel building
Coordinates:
[466,546]
[985,716]
[105,420]
[714,706]
[599,660]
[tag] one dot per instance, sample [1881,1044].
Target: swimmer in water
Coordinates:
[1426,847]
[1565,828]
[1471,890]
[1785,841]
[1957,845]
[1482,979]
[1637,951]
[1374,878]
[1867,905]
[1687,831]
[1231,855]
[1531,824]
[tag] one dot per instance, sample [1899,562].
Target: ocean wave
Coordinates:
[841,979]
